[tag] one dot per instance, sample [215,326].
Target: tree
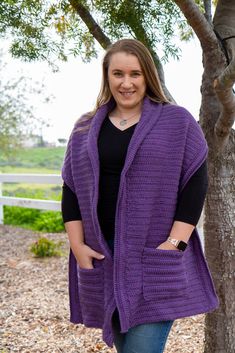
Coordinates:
[13,114]
[217,116]
[79,24]
[17,118]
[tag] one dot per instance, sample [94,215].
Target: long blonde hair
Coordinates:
[134,47]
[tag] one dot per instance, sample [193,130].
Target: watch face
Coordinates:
[182,245]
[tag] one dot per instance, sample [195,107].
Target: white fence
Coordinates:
[41,204]
[24,202]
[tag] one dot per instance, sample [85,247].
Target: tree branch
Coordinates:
[199,24]
[224,24]
[223,87]
[140,33]
[91,24]
[207,7]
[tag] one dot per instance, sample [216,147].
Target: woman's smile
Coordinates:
[127,94]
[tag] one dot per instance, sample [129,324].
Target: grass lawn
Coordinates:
[37,160]
[28,170]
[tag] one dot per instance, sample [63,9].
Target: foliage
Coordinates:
[44,247]
[49,221]
[45,221]
[40,29]
[17,119]
[46,30]
[152,23]
[13,113]
[19,216]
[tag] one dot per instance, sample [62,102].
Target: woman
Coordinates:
[134,186]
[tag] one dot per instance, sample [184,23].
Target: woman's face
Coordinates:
[126,80]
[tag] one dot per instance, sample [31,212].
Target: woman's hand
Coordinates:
[167,246]
[84,256]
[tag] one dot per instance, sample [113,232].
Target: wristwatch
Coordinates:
[179,244]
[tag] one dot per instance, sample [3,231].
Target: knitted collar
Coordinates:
[145,124]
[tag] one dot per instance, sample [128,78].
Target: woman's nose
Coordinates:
[126,83]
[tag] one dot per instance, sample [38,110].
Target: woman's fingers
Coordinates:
[97,255]
[86,256]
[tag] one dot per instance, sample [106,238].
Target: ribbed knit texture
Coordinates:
[145,284]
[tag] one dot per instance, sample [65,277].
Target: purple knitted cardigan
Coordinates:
[145,284]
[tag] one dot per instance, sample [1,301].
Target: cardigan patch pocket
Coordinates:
[91,293]
[164,274]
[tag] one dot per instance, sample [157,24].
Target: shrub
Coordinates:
[44,247]
[46,221]
[20,216]
[49,221]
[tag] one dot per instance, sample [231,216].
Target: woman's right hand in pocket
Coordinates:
[84,256]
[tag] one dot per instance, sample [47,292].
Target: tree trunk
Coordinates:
[219,247]
[216,118]
[219,223]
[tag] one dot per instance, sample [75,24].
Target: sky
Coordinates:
[76,86]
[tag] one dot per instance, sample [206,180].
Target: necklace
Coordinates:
[124,121]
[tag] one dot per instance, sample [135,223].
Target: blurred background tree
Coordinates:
[17,118]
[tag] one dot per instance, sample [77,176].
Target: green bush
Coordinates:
[49,222]
[20,216]
[44,247]
[46,221]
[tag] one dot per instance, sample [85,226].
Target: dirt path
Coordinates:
[34,308]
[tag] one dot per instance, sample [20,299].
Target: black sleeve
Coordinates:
[69,205]
[191,199]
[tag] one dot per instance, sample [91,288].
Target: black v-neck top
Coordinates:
[112,146]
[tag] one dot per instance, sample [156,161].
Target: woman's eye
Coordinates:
[136,74]
[118,74]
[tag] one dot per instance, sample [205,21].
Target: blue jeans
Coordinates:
[145,338]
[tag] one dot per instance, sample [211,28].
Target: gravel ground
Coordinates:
[34,312]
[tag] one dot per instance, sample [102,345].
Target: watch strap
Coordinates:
[179,244]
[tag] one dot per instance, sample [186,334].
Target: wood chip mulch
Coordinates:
[34,312]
